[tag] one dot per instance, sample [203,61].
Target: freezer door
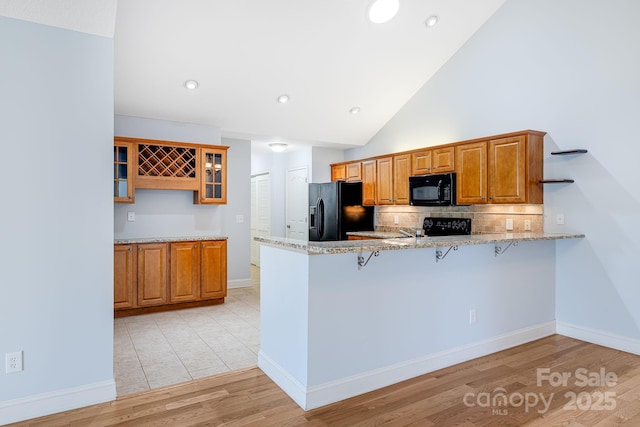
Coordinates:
[314,205]
[329,211]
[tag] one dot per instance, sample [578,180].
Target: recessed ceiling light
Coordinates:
[382,11]
[431,21]
[355,110]
[283,99]
[278,147]
[191,84]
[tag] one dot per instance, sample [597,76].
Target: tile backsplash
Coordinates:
[484,218]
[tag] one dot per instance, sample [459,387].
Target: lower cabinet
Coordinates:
[124,280]
[213,269]
[152,274]
[163,276]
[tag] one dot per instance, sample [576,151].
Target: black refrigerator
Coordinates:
[336,208]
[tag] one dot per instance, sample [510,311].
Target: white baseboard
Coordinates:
[606,339]
[316,396]
[39,405]
[283,379]
[239,283]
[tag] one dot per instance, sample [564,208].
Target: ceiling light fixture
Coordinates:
[278,147]
[382,11]
[355,110]
[283,99]
[431,21]
[191,84]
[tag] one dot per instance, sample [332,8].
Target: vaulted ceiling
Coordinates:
[325,55]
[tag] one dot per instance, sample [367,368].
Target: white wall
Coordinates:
[320,159]
[569,68]
[56,257]
[171,213]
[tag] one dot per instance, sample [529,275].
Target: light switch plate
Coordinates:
[131,216]
[509,224]
[239,219]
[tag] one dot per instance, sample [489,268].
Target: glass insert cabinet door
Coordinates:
[213,186]
[123,160]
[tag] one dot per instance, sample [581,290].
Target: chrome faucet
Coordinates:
[416,232]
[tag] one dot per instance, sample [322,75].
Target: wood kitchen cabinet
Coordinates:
[185,271]
[515,169]
[384,181]
[213,269]
[471,168]
[354,172]
[124,158]
[124,280]
[152,277]
[369,182]
[350,172]
[401,173]
[436,160]
[169,165]
[506,168]
[502,170]
[213,176]
[152,274]
[338,172]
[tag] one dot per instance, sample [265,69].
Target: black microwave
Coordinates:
[433,190]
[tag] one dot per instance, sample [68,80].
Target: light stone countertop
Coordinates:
[375,234]
[389,244]
[166,239]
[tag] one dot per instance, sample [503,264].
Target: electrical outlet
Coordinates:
[131,216]
[527,225]
[509,225]
[13,362]
[560,219]
[396,219]
[473,316]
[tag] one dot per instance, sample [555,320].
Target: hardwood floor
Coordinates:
[605,383]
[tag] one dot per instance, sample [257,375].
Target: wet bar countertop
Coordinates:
[389,244]
[166,239]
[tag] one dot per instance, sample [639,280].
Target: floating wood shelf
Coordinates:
[556,181]
[565,152]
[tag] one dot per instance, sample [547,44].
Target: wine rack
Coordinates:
[165,161]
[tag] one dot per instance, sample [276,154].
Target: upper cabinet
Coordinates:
[354,172]
[338,172]
[168,165]
[350,172]
[503,170]
[124,158]
[436,160]
[471,168]
[369,182]
[384,181]
[401,173]
[497,169]
[213,179]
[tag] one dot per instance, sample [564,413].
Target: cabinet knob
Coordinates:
[195,246]
[203,245]
[130,250]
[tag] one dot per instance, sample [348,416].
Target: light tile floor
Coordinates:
[160,349]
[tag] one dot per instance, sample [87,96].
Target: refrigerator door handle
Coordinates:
[320,211]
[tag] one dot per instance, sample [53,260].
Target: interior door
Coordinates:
[297,199]
[260,212]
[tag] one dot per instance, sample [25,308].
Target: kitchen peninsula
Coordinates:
[343,318]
